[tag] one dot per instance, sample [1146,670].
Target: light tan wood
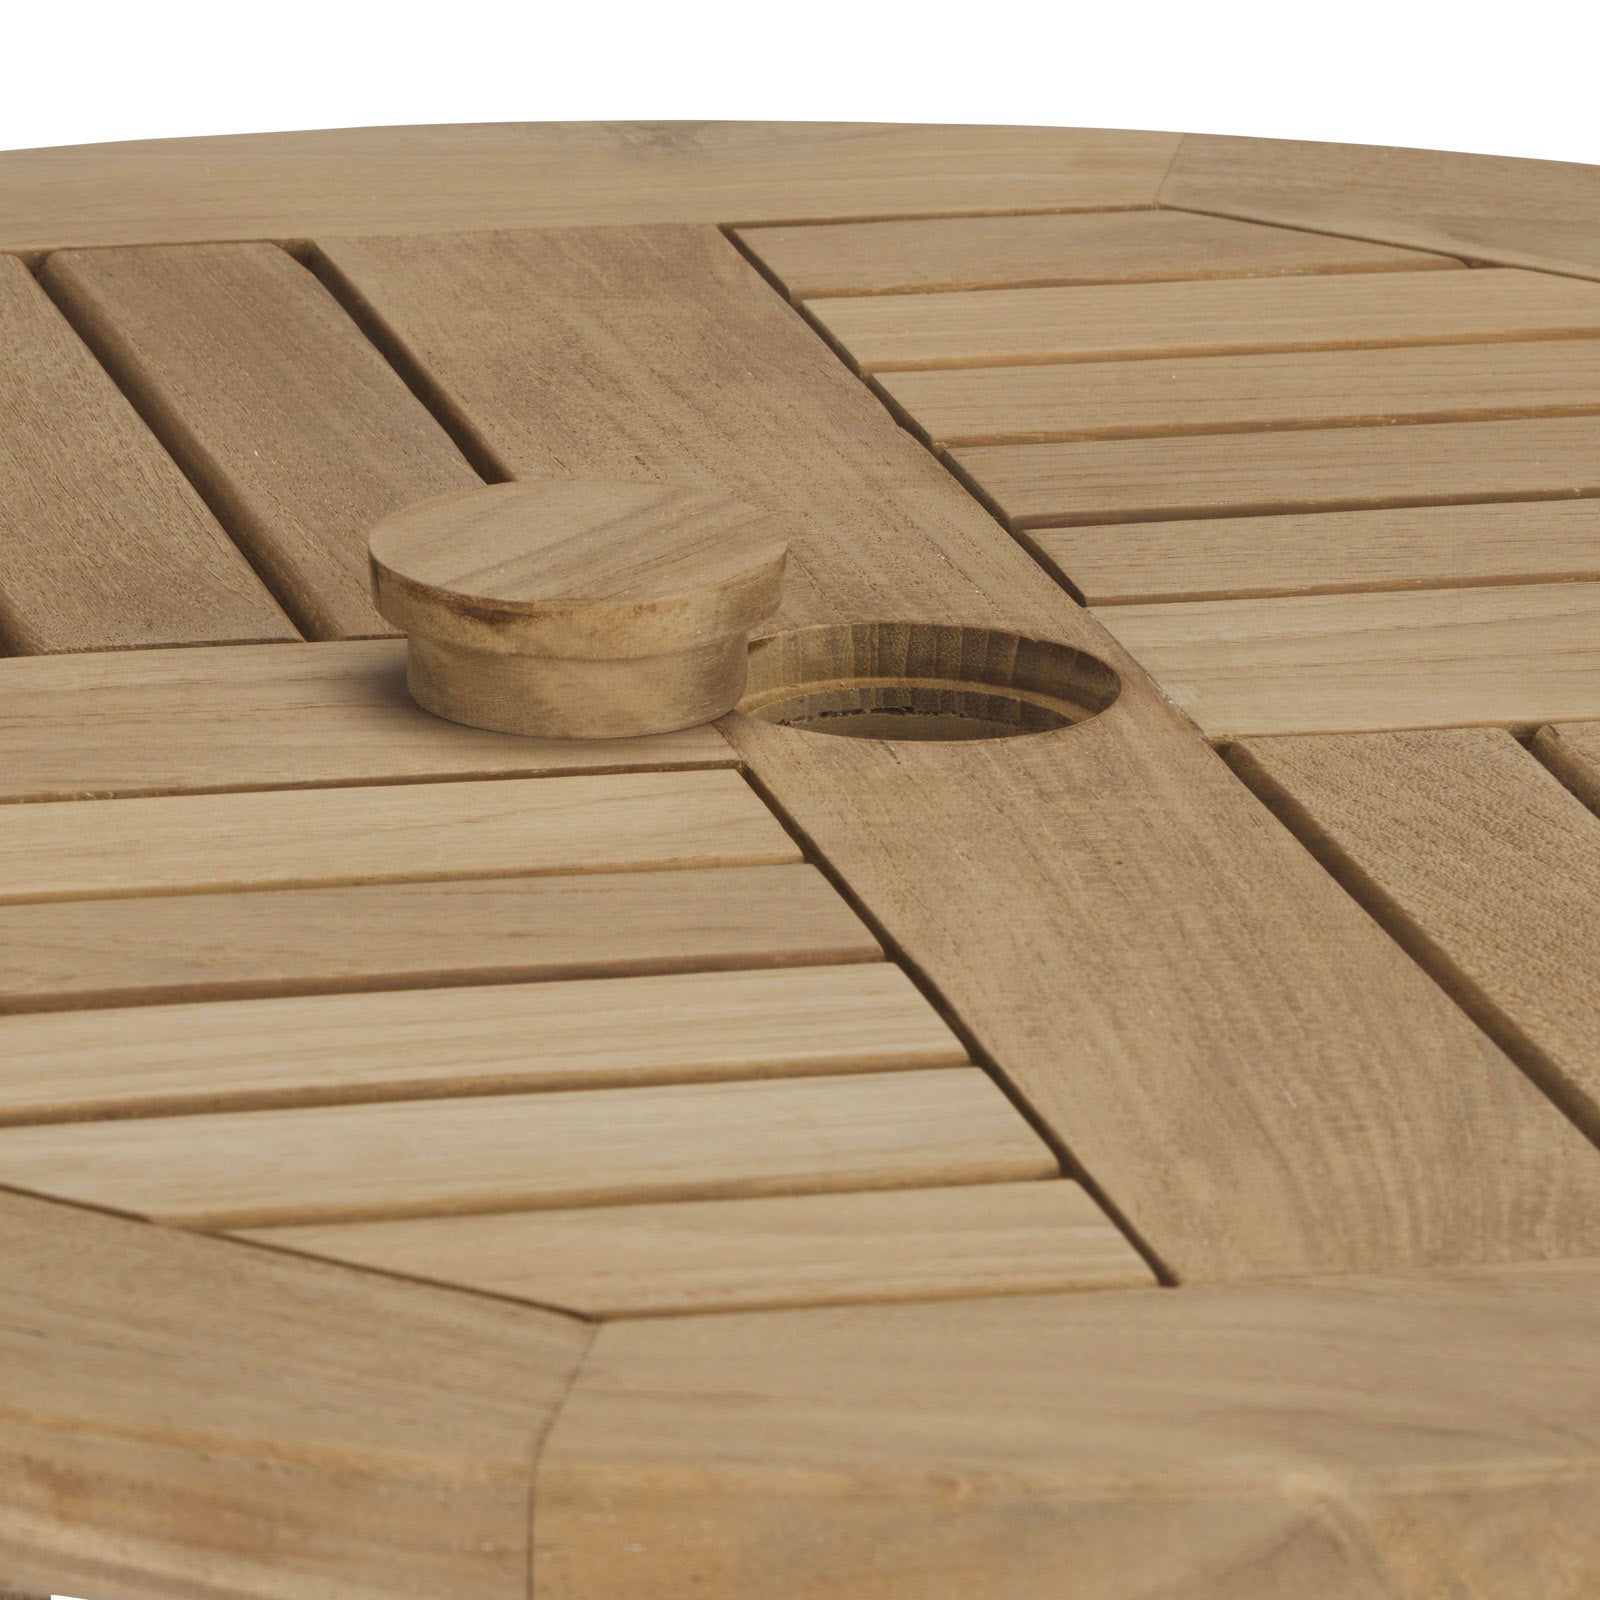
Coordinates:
[409,833]
[1332,552]
[1572,752]
[949,253]
[1234,394]
[719,1255]
[415,1044]
[411,935]
[299,434]
[104,543]
[1514,655]
[573,608]
[885,333]
[1117,923]
[266,717]
[1489,208]
[507,1152]
[1381,1438]
[1251,474]
[1479,862]
[541,175]
[187,1416]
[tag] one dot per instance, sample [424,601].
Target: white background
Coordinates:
[1508,80]
[1515,79]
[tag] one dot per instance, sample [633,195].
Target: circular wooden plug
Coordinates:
[577,609]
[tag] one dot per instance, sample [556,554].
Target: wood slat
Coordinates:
[1490,208]
[169,721]
[404,936]
[187,1416]
[721,1255]
[953,253]
[1230,394]
[1374,1437]
[1511,654]
[1126,933]
[1572,752]
[554,174]
[415,1044]
[884,333]
[105,545]
[70,850]
[589,1147]
[1332,552]
[1479,862]
[298,433]
[1249,474]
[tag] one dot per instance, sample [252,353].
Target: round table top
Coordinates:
[1129,1112]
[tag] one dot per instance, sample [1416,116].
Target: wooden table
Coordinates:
[1151,1156]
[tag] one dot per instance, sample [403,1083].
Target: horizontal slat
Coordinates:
[1332,552]
[1127,321]
[1243,474]
[726,1255]
[412,1044]
[1349,663]
[590,1147]
[103,543]
[403,936]
[1061,248]
[1223,394]
[1482,865]
[69,850]
[295,428]
[284,716]
[1573,754]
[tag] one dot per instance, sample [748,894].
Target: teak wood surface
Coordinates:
[1123,1125]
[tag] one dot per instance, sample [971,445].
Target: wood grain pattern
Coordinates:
[299,434]
[1512,655]
[1132,941]
[721,1255]
[1250,474]
[509,1152]
[554,174]
[1233,394]
[982,328]
[259,717]
[415,1044]
[1479,862]
[1332,552]
[403,936]
[187,1416]
[105,544]
[952,253]
[1488,208]
[1572,752]
[410,833]
[1363,1437]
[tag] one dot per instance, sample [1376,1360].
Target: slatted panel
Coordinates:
[414,1044]
[103,544]
[590,1147]
[395,936]
[1572,752]
[297,431]
[724,1255]
[948,253]
[1247,474]
[1480,862]
[883,333]
[1329,552]
[1233,394]
[395,834]
[1346,663]
[168,721]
